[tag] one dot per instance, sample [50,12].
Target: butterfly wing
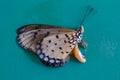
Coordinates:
[51,43]
[55,49]
[29,35]
[30,27]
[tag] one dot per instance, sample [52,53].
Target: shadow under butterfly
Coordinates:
[53,45]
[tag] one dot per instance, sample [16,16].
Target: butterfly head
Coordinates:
[79,34]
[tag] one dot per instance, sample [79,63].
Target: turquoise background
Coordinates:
[102,32]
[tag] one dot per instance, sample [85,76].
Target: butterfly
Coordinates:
[53,45]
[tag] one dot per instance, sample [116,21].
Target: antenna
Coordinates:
[88,12]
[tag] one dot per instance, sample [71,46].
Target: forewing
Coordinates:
[30,35]
[30,27]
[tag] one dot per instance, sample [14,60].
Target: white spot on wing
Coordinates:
[38,46]
[38,51]
[51,61]
[57,61]
[46,58]
[41,56]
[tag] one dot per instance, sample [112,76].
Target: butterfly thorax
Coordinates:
[77,37]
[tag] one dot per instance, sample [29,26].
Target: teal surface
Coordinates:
[102,33]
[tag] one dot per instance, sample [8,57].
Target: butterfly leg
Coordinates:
[83,44]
